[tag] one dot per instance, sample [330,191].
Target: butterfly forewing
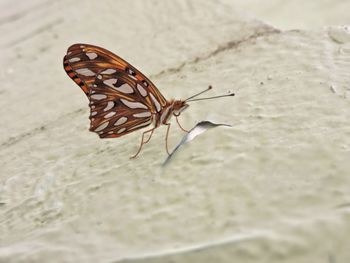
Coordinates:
[122,99]
[95,59]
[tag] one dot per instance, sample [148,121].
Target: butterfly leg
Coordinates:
[143,142]
[166,138]
[152,130]
[180,125]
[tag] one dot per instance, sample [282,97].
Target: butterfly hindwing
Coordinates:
[115,113]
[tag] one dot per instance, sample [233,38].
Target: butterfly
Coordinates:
[122,99]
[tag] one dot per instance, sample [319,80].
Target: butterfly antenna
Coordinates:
[207,89]
[215,97]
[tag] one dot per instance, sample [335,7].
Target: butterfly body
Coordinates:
[122,99]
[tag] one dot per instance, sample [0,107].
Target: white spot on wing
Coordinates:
[133,105]
[144,124]
[74,60]
[101,127]
[98,96]
[121,121]
[130,71]
[125,88]
[121,130]
[142,114]
[109,106]
[85,72]
[142,90]
[112,113]
[110,82]
[91,55]
[109,71]
[156,103]
[93,113]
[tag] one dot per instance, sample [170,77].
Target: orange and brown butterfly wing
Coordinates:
[122,99]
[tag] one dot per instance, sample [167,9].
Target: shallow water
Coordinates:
[273,188]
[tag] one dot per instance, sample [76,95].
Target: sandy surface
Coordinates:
[274,188]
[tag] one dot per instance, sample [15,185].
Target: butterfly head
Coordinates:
[179,106]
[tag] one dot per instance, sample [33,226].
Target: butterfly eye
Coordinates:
[178,111]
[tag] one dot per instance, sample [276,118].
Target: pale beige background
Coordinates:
[274,188]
